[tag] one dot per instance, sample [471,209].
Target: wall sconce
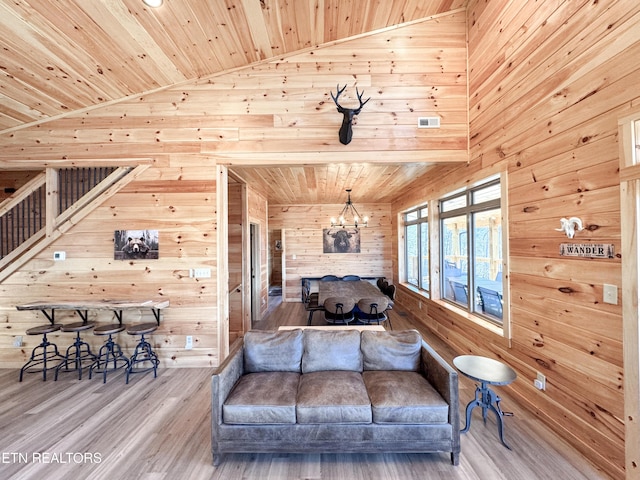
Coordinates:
[569,226]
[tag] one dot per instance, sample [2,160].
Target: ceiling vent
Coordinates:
[428,122]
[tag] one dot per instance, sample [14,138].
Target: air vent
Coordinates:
[428,122]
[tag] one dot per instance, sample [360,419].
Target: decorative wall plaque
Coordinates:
[590,250]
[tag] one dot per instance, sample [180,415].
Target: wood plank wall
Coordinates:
[177,200]
[271,113]
[548,82]
[302,230]
[281,111]
[10,181]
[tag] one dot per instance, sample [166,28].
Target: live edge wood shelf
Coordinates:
[48,309]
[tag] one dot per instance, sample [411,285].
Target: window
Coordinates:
[416,234]
[471,249]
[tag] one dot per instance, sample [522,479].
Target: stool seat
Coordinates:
[109,329]
[44,329]
[142,328]
[77,326]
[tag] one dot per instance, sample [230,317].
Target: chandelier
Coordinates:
[349,216]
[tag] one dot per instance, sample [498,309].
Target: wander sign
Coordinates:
[591,250]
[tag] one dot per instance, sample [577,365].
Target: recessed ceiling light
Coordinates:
[153,3]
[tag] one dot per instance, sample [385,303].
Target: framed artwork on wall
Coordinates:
[136,244]
[341,240]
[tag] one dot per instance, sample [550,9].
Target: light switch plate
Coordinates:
[200,273]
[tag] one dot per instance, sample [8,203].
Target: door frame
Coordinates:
[628,139]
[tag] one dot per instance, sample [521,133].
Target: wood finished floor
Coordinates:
[159,429]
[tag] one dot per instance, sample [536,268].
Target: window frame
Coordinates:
[468,211]
[422,217]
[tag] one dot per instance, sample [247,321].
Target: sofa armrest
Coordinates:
[444,379]
[224,378]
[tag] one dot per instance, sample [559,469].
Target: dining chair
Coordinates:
[460,293]
[491,302]
[390,292]
[329,278]
[373,310]
[351,278]
[339,310]
[310,300]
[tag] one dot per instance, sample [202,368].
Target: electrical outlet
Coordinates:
[540,382]
[189,343]
[17,342]
[610,294]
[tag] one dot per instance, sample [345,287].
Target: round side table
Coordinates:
[487,371]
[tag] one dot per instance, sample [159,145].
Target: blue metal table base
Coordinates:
[485,398]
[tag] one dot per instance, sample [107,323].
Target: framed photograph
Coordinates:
[136,245]
[341,240]
[278,245]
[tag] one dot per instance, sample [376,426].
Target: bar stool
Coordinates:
[109,352]
[143,353]
[78,352]
[44,353]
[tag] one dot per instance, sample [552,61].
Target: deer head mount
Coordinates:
[347,114]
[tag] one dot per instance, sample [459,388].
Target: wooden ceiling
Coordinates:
[328,183]
[66,56]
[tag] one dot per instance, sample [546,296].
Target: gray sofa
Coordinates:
[334,391]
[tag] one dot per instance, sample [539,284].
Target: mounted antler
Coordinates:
[347,114]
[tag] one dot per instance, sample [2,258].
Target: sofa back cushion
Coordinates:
[331,350]
[267,351]
[397,350]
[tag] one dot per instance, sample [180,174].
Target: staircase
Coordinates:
[49,204]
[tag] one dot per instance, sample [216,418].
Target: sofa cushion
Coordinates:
[404,397]
[269,351]
[333,397]
[331,350]
[399,350]
[264,397]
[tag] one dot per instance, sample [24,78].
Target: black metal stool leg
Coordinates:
[40,355]
[78,352]
[143,353]
[109,352]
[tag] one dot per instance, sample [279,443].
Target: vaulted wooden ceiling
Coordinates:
[66,56]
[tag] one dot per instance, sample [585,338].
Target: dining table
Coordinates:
[352,289]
